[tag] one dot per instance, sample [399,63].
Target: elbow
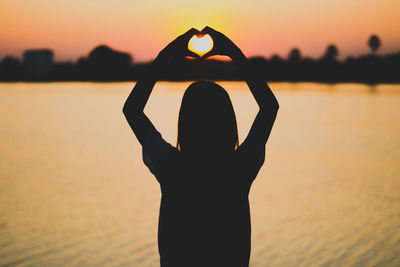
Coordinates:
[125,109]
[271,107]
[276,106]
[128,108]
[130,111]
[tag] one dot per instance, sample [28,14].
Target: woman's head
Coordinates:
[207,120]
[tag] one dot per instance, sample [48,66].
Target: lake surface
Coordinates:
[74,190]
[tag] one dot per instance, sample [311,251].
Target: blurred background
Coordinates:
[74,190]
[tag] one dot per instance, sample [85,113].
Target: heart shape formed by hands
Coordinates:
[200,44]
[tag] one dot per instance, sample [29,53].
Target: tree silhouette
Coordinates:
[276,58]
[104,56]
[331,52]
[104,63]
[294,55]
[374,43]
[11,69]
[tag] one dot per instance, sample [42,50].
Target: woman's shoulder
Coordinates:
[157,153]
[154,140]
[250,153]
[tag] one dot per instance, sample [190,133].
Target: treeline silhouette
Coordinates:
[106,64]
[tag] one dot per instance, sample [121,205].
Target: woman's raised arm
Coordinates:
[265,98]
[137,99]
[267,103]
[135,103]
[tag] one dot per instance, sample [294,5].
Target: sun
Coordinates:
[200,44]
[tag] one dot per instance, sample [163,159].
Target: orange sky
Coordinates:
[259,27]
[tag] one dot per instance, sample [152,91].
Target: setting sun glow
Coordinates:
[143,28]
[200,44]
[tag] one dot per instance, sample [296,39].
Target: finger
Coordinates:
[193,31]
[192,54]
[208,30]
[209,54]
[181,40]
[187,35]
[213,33]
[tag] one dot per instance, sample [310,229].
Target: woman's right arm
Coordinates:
[136,101]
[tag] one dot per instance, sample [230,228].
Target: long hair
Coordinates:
[207,120]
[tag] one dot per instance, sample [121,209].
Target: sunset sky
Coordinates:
[259,27]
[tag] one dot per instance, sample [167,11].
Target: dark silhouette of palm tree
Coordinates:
[331,52]
[294,55]
[374,43]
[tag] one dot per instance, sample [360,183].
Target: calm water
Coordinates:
[74,190]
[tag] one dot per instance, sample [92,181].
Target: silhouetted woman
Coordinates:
[205,180]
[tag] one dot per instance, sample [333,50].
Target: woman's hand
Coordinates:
[222,45]
[177,49]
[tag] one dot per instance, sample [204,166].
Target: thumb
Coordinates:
[192,54]
[209,54]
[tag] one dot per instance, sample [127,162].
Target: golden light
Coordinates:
[200,44]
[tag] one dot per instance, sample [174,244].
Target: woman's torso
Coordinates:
[204,214]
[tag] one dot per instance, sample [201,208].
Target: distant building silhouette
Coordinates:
[38,63]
